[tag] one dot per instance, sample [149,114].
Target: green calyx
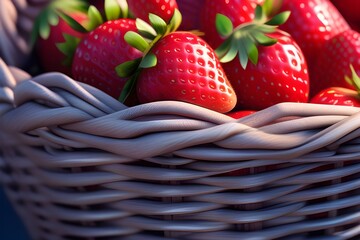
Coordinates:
[113,9]
[144,40]
[354,80]
[243,41]
[49,16]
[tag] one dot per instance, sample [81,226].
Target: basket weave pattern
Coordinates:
[77,164]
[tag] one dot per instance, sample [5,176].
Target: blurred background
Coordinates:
[11,226]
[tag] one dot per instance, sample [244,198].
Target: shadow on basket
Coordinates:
[81,165]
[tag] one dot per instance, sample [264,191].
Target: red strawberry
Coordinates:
[187,70]
[278,70]
[240,114]
[279,76]
[238,11]
[350,9]
[102,48]
[162,8]
[100,52]
[312,23]
[334,59]
[337,96]
[52,30]
[178,66]
[341,95]
[190,11]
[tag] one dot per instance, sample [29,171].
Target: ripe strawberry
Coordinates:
[99,53]
[187,70]
[50,29]
[332,64]
[279,76]
[341,95]
[278,70]
[162,8]
[238,11]
[103,48]
[177,65]
[311,24]
[349,9]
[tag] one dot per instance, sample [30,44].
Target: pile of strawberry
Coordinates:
[225,55]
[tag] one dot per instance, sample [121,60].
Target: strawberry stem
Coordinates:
[246,37]
[148,36]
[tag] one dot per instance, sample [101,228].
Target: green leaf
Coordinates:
[279,19]
[251,50]
[94,17]
[128,88]
[124,8]
[242,54]
[136,41]
[158,24]
[72,22]
[52,18]
[148,61]
[224,25]
[128,68]
[223,48]
[44,29]
[259,13]
[268,7]
[262,39]
[68,48]
[175,21]
[354,80]
[112,9]
[231,53]
[145,29]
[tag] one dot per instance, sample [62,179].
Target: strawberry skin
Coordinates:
[349,9]
[187,70]
[337,96]
[280,75]
[162,8]
[238,11]
[334,60]
[100,52]
[240,114]
[312,23]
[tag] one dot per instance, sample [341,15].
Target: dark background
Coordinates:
[11,226]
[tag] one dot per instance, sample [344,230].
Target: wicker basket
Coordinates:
[77,164]
[16,22]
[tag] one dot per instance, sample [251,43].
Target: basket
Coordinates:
[77,164]
[16,22]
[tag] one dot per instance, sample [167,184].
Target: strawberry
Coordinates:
[279,76]
[100,52]
[177,65]
[240,114]
[103,48]
[162,8]
[311,24]
[49,30]
[349,9]
[332,64]
[278,70]
[187,70]
[238,11]
[341,95]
